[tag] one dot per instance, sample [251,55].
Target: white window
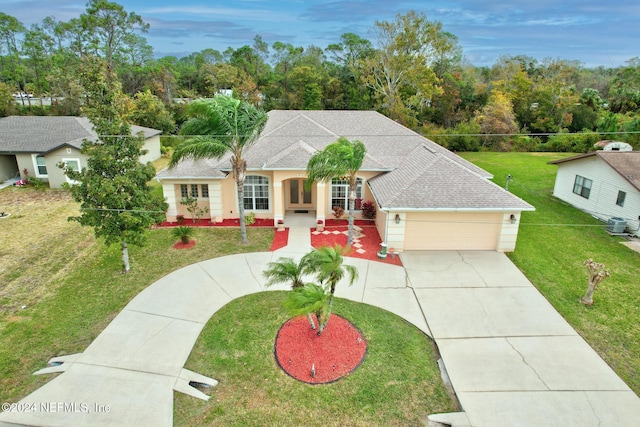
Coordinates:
[340,193]
[40,165]
[582,186]
[621,196]
[256,193]
[73,164]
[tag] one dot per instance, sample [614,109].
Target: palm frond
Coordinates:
[310,298]
[199,147]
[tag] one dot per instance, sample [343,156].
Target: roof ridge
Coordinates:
[319,125]
[288,150]
[417,173]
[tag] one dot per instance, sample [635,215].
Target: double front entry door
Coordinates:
[299,197]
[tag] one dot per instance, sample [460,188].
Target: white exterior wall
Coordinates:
[152,145]
[604,190]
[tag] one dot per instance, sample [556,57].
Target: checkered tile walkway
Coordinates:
[359,248]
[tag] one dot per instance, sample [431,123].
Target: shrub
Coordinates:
[368,210]
[183,233]
[250,219]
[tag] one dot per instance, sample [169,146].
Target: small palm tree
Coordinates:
[183,233]
[329,262]
[307,299]
[287,270]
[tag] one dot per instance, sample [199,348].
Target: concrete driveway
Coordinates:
[511,358]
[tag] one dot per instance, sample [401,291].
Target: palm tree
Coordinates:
[341,159]
[287,270]
[307,299]
[329,262]
[219,126]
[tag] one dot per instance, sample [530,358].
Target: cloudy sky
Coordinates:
[594,32]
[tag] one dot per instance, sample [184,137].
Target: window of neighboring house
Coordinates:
[204,191]
[340,193]
[40,165]
[582,186]
[194,191]
[184,191]
[73,164]
[621,196]
[256,193]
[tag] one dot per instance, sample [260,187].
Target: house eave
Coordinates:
[503,209]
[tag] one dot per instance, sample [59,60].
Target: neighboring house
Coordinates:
[39,143]
[426,196]
[605,184]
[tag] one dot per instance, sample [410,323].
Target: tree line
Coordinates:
[412,70]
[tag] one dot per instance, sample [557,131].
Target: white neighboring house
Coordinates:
[605,184]
[38,144]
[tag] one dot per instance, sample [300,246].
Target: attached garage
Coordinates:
[452,230]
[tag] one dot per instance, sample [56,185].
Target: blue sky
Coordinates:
[592,32]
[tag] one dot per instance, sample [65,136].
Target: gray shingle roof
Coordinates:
[428,180]
[625,163]
[418,173]
[40,134]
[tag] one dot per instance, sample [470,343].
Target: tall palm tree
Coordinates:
[219,126]
[341,159]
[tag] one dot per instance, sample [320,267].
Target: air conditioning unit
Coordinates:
[616,225]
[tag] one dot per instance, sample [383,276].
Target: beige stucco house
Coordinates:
[427,197]
[39,143]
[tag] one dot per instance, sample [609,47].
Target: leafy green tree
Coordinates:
[114,192]
[341,159]
[6,100]
[401,73]
[497,118]
[150,111]
[219,126]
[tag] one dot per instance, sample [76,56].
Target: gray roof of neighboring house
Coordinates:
[410,162]
[625,163]
[41,134]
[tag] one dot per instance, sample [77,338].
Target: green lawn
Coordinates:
[553,243]
[398,383]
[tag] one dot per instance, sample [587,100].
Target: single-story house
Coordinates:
[606,184]
[39,143]
[427,198]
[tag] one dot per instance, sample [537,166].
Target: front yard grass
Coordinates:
[71,285]
[397,384]
[553,243]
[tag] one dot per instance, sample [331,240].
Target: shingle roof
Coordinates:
[625,163]
[419,173]
[428,180]
[40,134]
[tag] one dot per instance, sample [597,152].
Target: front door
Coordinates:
[299,197]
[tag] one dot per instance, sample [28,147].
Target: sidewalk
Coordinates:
[511,358]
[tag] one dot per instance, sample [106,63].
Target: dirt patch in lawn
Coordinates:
[38,244]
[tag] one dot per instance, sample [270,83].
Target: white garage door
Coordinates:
[452,231]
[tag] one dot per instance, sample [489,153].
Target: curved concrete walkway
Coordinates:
[511,358]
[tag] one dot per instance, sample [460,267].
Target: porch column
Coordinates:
[321,200]
[278,201]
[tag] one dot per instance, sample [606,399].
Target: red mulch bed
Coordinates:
[181,245]
[280,239]
[337,352]
[370,242]
[232,222]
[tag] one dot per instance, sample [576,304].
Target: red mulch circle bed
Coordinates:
[181,245]
[334,354]
[280,239]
